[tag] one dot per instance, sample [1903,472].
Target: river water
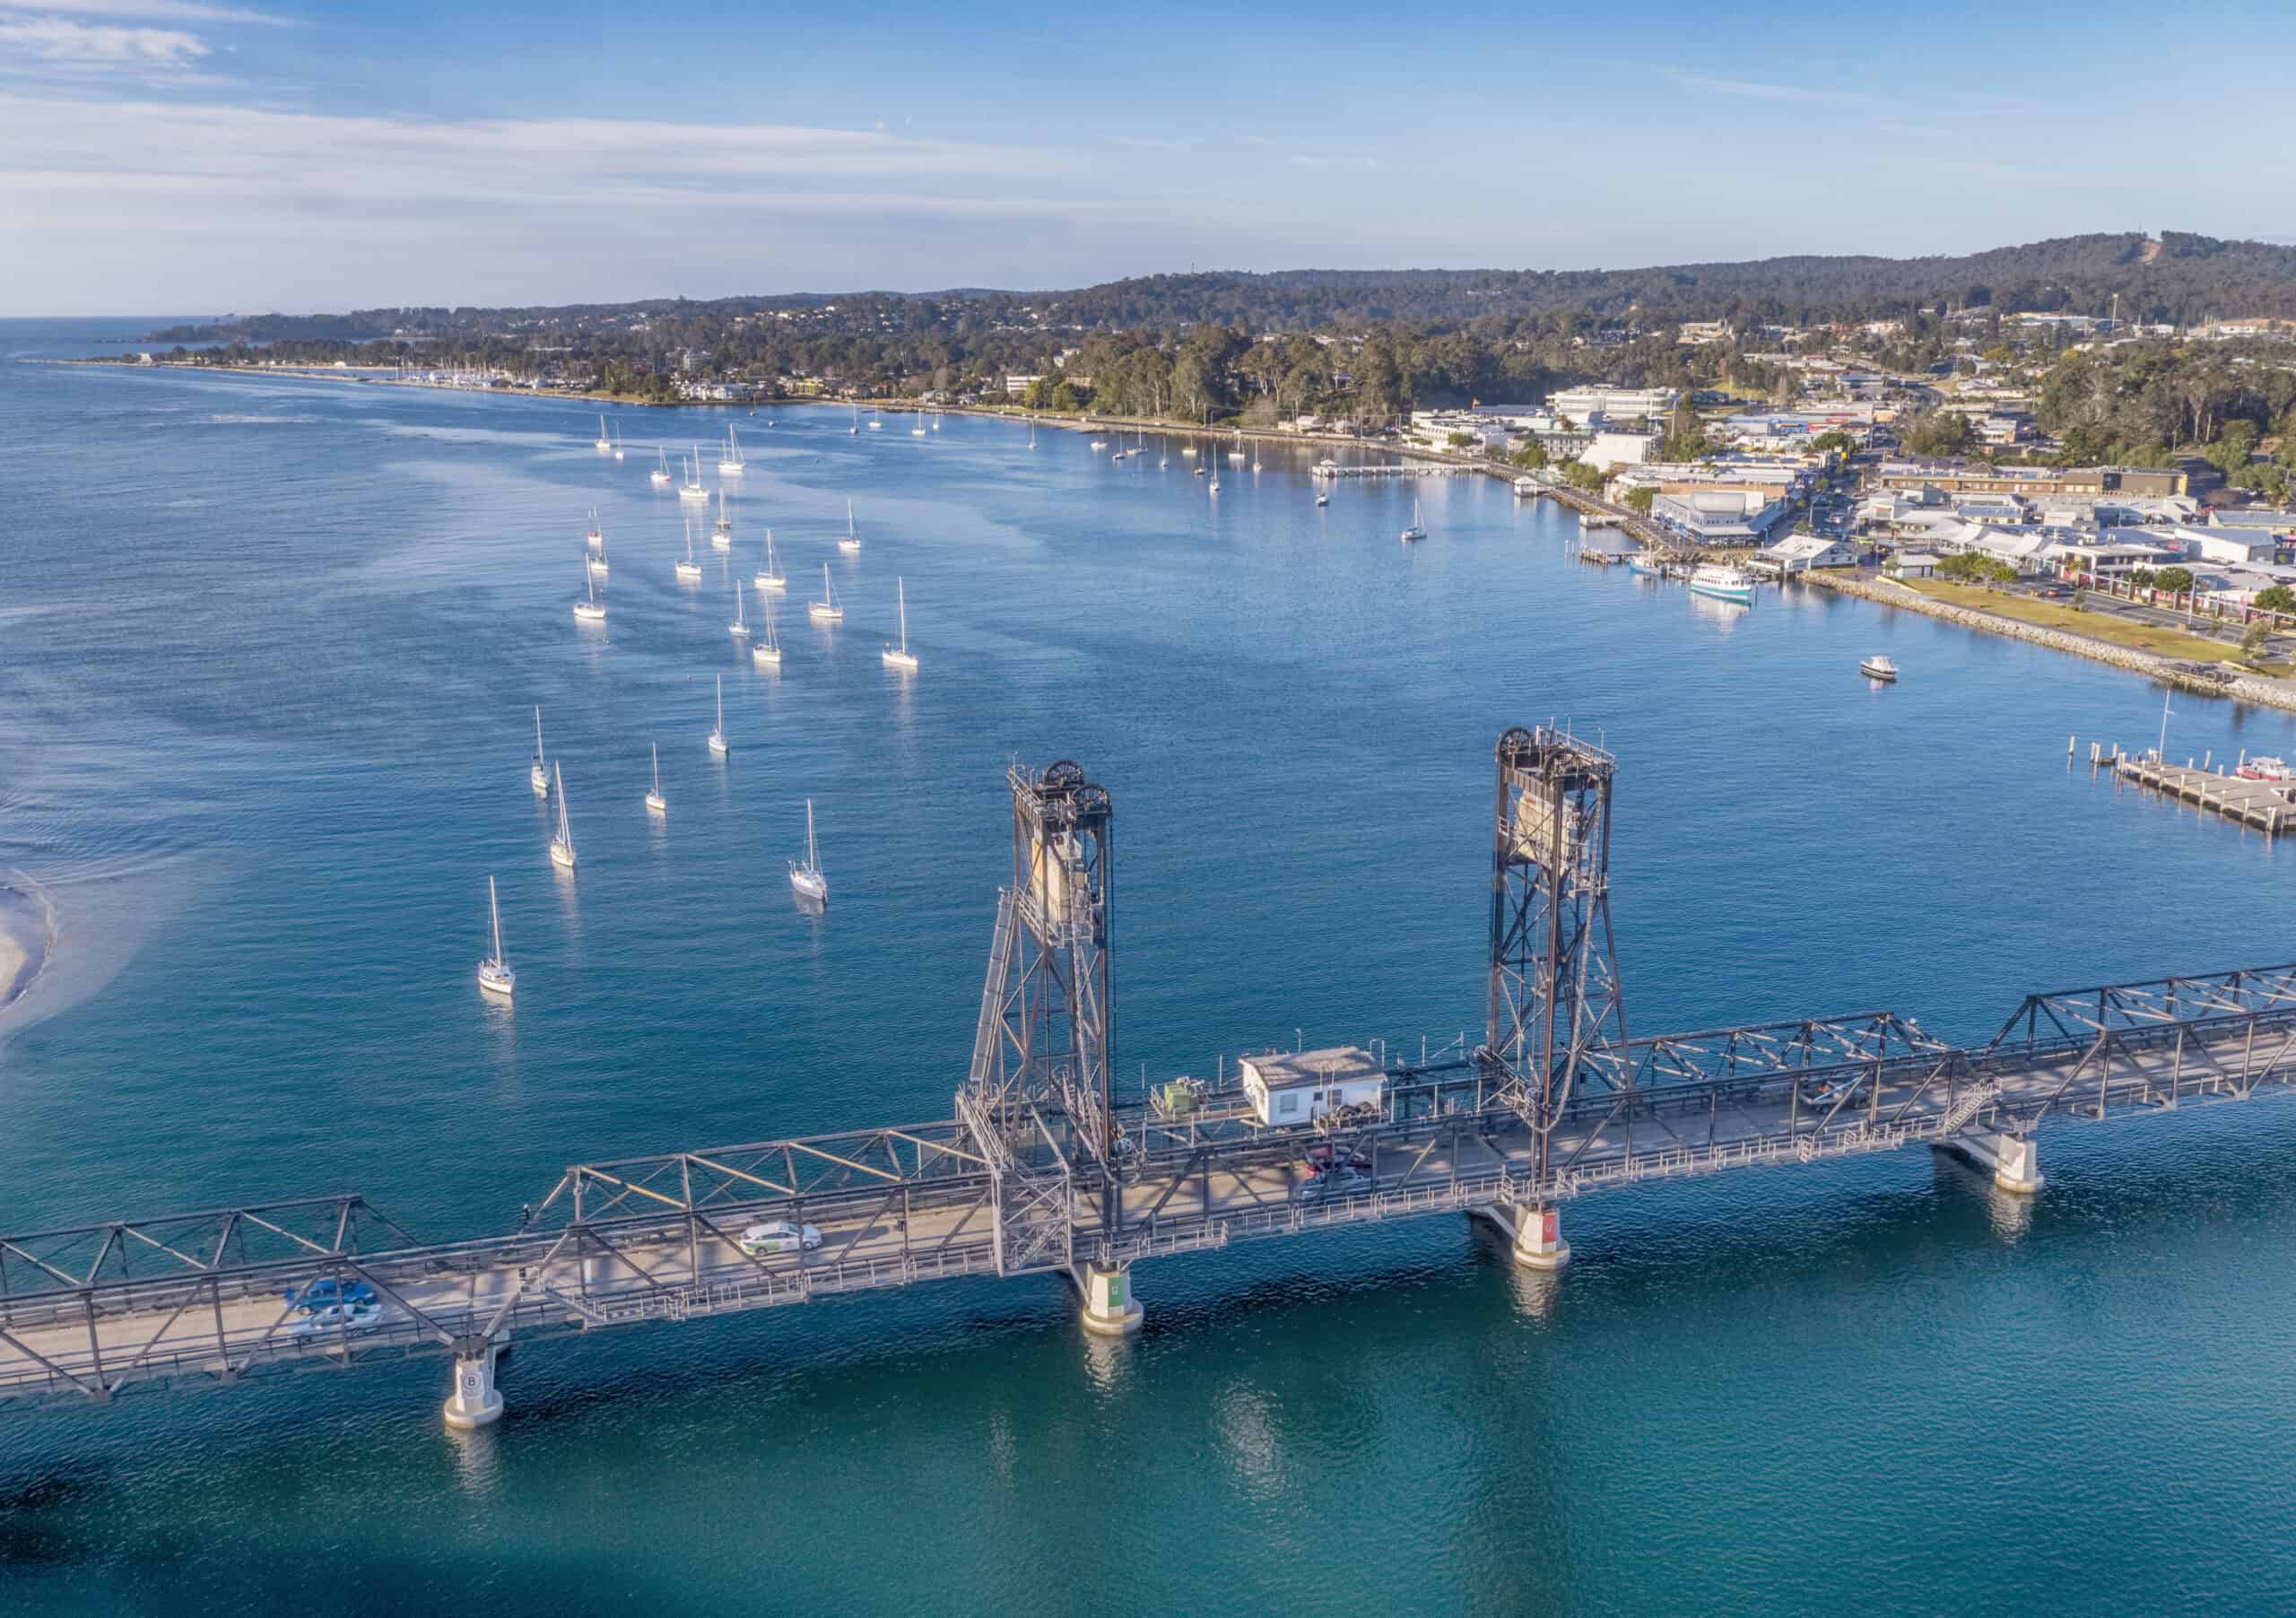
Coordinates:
[268,653]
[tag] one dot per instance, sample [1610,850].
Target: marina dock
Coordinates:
[2266,806]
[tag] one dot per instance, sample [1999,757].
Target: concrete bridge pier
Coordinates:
[2014,1159]
[1534,1235]
[475,1402]
[1110,1311]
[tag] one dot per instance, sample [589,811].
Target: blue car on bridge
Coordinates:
[327,1291]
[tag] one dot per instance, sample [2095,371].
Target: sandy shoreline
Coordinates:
[27,936]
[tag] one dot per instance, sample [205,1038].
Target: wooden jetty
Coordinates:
[2264,804]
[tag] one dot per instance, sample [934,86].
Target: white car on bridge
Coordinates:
[780,1236]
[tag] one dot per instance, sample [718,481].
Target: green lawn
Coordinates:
[2097,625]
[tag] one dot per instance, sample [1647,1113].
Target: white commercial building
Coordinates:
[1609,449]
[1582,404]
[1296,1087]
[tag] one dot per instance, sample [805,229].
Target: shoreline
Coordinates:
[27,936]
[2239,687]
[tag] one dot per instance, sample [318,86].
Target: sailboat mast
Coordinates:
[812,859]
[901,594]
[494,911]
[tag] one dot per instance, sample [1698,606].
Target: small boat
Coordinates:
[2265,767]
[617,441]
[590,609]
[1188,451]
[918,431]
[1323,497]
[936,420]
[901,657]
[596,535]
[605,444]
[1415,532]
[1100,443]
[731,463]
[851,544]
[1645,564]
[856,428]
[875,424]
[807,879]
[826,610]
[494,974]
[691,488]
[561,842]
[1032,432]
[654,801]
[1721,582]
[689,571]
[769,576]
[1878,668]
[660,477]
[767,653]
[721,535]
[536,776]
[598,563]
[718,731]
[739,628]
[1237,454]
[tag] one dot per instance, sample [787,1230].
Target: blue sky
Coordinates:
[208,155]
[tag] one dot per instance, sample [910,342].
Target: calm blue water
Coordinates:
[267,656]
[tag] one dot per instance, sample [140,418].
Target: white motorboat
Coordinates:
[562,843]
[769,576]
[536,776]
[901,657]
[827,610]
[654,801]
[494,973]
[1720,582]
[807,879]
[1878,668]
[851,544]
[718,731]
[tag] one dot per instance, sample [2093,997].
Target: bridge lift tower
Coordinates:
[1037,1101]
[1556,1009]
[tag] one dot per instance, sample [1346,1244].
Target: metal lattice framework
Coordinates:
[1556,1012]
[2120,1007]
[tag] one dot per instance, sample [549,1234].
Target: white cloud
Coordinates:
[59,40]
[157,11]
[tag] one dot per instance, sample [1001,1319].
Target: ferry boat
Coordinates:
[1720,582]
[1878,667]
[901,657]
[807,879]
[2263,767]
[494,974]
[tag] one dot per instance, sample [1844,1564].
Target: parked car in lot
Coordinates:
[780,1236]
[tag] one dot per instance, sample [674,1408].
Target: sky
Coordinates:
[192,157]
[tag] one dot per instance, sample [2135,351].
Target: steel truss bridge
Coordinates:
[1043,1169]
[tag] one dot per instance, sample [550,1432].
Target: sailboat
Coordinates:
[689,571]
[691,488]
[731,461]
[901,657]
[1212,486]
[1323,495]
[596,535]
[598,563]
[617,441]
[654,801]
[717,732]
[1032,432]
[740,626]
[721,537]
[874,424]
[807,879]
[918,431]
[536,776]
[851,544]
[494,973]
[590,609]
[856,428]
[769,576]
[826,610]
[603,443]
[936,420]
[561,845]
[660,477]
[767,653]
[1237,454]
[1414,531]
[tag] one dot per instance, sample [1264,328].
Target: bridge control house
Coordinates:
[1297,1087]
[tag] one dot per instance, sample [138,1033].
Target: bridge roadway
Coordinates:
[88,1313]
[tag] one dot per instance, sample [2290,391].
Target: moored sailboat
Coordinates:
[901,657]
[562,843]
[494,974]
[807,879]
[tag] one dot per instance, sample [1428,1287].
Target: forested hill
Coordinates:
[2174,277]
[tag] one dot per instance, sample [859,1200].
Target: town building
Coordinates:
[1973,477]
[1799,553]
[1583,405]
[1721,517]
